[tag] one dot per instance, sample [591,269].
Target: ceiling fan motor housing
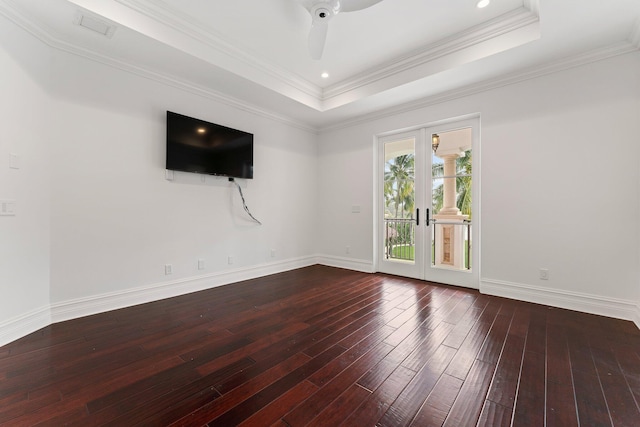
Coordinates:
[324,11]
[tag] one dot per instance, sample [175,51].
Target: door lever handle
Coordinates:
[418,216]
[428,223]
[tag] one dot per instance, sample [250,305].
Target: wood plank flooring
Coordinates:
[321,346]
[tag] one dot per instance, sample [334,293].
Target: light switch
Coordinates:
[7,207]
[14,161]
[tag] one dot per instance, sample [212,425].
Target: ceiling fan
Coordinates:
[321,13]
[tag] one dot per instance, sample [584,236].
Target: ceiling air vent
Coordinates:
[95,24]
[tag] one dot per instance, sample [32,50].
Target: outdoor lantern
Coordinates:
[435,142]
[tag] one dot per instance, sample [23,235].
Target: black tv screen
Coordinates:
[198,146]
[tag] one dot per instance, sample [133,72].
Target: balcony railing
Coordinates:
[399,239]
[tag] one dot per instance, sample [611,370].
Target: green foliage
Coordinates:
[399,193]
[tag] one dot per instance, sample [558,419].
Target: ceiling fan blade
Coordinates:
[317,38]
[307,4]
[353,5]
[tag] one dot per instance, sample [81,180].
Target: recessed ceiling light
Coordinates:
[202,130]
[483,3]
[324,75]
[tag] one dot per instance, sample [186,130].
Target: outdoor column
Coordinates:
[449,242]
[449,191]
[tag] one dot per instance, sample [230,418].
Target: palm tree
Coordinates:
[463,184]
[399,185]
[399,195]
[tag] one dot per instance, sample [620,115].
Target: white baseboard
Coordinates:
[73,309]
[347,263]
[587,303]
[23,325]
[636,318]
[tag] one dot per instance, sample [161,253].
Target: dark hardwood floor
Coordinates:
[322,346]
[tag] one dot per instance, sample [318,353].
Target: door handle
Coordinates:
[418,216]
[428,218]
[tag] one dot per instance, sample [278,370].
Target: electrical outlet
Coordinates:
[273,253]
[200,264]
[14,162]
[168,269]
[230,259]
[544,274]
[347,250]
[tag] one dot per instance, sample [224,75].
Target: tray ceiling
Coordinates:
[394,52]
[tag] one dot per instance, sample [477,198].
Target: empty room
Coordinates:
[320,212]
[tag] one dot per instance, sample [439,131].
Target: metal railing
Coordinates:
[399,239]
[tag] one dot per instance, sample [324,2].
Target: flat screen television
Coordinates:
[198,146]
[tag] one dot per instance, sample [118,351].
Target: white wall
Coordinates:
[97,220]
[24,131]
[116,220]
[559,185]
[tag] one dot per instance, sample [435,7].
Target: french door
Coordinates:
[427,203]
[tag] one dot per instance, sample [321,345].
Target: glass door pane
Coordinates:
[401,192]
[399,201]
[451,176]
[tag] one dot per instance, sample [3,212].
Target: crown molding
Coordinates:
[596,55]
[184,37]
[174,18]
[40,31]
[225,54]
[471,37]
[49,37]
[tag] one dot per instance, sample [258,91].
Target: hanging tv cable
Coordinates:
[244,204]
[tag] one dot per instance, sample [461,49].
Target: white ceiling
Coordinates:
[396,53]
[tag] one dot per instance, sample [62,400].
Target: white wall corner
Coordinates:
[74,309]
[23,325]
[363,266]
[533,6]
[587,303]
[634,38]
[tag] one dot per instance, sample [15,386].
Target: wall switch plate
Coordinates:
[7,207]
[544,274]
[168,174]
[14,161]
[200,264]
[355,209]
[168,269]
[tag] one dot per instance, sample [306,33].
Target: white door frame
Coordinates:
[422,269]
